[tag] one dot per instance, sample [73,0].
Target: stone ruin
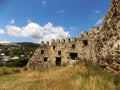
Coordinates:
[99,45]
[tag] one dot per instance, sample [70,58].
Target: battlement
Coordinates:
[59,41]
[80,37]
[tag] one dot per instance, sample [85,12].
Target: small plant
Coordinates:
[15,70]
[64,64]
[25,68]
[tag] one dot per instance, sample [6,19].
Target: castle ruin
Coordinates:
[99,45]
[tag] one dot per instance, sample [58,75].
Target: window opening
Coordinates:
[42,52]
[45,59]
[59,52]
[58,61]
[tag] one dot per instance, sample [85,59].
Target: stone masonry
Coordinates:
[99,45]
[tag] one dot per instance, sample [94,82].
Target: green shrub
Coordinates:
[17,63]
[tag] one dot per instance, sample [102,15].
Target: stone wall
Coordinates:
[100,46]
[108,39]
[67,50]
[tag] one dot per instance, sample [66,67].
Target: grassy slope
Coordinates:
[79,77]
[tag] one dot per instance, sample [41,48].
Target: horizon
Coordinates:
[43,20]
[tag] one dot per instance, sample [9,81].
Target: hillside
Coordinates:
[83,76]
[13,52]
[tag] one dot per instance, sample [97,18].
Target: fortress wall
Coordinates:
[80,46]
[99,45]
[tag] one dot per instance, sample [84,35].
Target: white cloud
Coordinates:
[37,32]
[12,21]
[99,22]
[44,3]
[61,11]
[2,31]
[5,41]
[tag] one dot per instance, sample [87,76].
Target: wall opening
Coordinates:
[59,52]
[58,61]
[53,47]
[45,59]
[73,46]
[73,56]
[42,52]
[85,42]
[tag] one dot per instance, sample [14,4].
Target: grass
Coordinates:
[83,76]
[7,71]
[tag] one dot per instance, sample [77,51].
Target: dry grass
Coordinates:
[57,78]
[6,71]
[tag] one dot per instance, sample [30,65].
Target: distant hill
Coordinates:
[14,52]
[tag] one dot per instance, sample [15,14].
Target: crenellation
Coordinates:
[62,41]
[52,41]
[74,39]
[42,43]
[99,45]
[57,41]
[79,36]
[95,28]
[85,33]
[47,43]
[68,40]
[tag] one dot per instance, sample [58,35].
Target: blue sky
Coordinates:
[37,20]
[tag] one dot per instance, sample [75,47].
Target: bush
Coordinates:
[17,63]
[15,70]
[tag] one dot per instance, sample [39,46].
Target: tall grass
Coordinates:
[83,76]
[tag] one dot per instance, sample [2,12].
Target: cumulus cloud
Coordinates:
[37,32]
[99,22]
[2,31]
